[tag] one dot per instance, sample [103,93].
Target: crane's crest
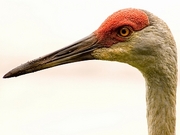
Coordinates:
[135,18]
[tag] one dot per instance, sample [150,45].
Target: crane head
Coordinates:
[130,35]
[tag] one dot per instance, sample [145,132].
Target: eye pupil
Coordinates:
[124,31]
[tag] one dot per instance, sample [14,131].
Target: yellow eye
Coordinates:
[124,31]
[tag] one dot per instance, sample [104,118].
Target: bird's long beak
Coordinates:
[79,51]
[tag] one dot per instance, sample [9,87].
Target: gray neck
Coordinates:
[161,102]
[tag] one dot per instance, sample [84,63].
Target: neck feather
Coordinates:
[161,102]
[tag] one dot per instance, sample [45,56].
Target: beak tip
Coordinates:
[8,75]
[11,74]
[5,76]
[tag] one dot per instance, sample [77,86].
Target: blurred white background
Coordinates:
[86,98]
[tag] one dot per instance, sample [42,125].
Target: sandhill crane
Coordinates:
[142,40]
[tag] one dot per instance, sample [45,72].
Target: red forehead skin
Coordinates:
[135,18]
